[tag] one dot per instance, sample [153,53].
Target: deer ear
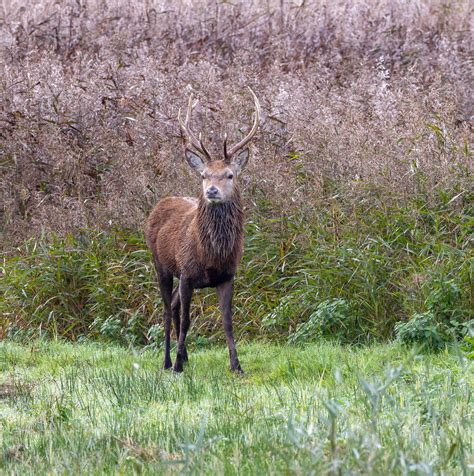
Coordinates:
[194,161]
[241,159]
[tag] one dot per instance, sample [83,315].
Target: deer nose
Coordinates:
[212,192]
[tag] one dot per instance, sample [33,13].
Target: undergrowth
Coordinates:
[358,189]
[357,272]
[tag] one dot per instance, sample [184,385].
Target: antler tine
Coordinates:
[252,132]
[204,150]
[227,157]
[195,142]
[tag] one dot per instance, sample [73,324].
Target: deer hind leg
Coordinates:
[165,280]
[185,295]
[175,310]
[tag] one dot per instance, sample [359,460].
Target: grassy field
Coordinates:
[324,408]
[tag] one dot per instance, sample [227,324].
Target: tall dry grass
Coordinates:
[358,98]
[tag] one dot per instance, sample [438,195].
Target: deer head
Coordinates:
[218,176]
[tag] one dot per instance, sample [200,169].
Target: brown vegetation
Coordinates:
[358,93]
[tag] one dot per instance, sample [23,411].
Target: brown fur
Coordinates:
[199,242]
[196,239]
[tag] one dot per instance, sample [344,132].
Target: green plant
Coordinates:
[332,318]
[290,310]
[391,260]
[422,328]
[468,343]
[444,321]
[92,284]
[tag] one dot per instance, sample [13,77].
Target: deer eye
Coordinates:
[230,176]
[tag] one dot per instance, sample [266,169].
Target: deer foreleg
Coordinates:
[225,292]
[166,289]
[175,309]
[185,295]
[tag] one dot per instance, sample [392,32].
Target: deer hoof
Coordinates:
[178,368]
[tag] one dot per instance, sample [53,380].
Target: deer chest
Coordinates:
[212,277]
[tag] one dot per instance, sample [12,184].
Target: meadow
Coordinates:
[320,409]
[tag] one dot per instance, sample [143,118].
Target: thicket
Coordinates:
[403,268]
[358,194]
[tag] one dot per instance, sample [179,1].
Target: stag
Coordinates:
[200,241]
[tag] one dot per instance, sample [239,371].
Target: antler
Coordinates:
[195,142]
[228,154]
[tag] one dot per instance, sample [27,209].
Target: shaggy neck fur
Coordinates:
[221,227]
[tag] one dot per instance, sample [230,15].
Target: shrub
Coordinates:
[290,310]
[332,318]
[386,262]
[360,186]
[422,328]
[445,320]
[468,343]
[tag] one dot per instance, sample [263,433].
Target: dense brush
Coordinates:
[352,271]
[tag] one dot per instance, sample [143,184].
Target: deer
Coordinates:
[200,240]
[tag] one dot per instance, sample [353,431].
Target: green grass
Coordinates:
[323,408]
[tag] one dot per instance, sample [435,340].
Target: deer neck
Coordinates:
[221,228]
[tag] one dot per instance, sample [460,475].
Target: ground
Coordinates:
[323,408]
